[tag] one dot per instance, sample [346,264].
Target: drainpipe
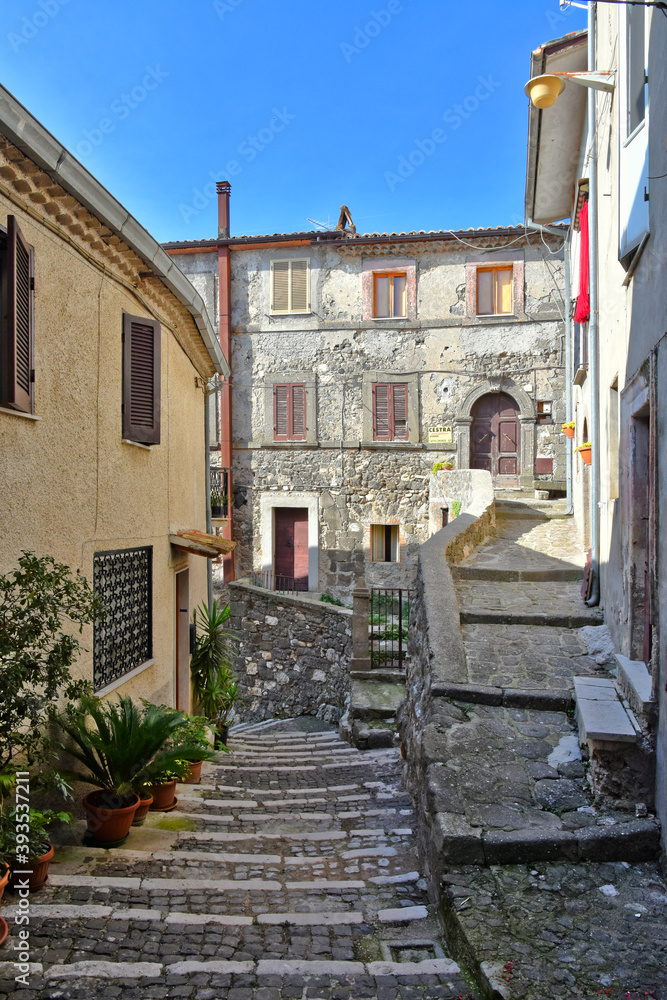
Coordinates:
[593,363]
[568,353]
[224,295]
[209,527]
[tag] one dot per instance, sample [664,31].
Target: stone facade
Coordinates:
[294,655]
[448,357]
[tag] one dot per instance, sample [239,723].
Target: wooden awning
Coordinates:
[201,544]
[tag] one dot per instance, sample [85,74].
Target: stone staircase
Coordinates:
[290,872]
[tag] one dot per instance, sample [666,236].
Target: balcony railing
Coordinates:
[220,492]
[268,580]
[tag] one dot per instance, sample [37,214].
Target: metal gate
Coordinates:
[388,626]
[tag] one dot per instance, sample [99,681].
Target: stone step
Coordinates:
[517,575]
[590,616]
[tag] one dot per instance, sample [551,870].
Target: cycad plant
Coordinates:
[214,687]
[122,748]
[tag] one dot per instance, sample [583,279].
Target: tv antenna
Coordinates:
[321,225]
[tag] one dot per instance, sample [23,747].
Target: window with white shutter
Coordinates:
[290,286]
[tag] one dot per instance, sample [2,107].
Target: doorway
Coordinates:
[495,438]
[290,557]
[183,640]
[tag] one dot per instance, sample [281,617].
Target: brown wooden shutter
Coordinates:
[298,413]
[381,412]
[17,346]
[141,379]
[281,405]
[400,411]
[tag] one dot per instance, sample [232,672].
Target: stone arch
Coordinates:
[463,422]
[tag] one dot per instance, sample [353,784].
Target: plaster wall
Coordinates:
[70,486]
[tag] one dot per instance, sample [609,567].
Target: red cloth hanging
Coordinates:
[583,311]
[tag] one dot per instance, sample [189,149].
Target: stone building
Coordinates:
[361,360]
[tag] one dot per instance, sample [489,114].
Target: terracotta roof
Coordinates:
[334,235]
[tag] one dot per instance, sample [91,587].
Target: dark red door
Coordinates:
[291,548]
[495,440]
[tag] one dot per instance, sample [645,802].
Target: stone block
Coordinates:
[604,720]
[513,847]
[456,842]
[637,840]
[636,683]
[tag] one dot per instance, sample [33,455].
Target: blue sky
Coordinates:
[411,112]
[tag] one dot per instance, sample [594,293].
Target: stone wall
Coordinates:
[293,656]
[435,642]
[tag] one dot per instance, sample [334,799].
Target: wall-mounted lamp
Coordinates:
[545,90]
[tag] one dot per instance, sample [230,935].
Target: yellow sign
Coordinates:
[440,435]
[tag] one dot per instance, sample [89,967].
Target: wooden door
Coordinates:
[183,640]
[495,437]
[291,548]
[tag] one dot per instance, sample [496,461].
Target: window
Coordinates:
[141,379]
[123,637]
[17,318]
[494,291]
[614,443]
[636,75]
[289,412]
[290,286]
[384,542]
[389,295]
[544,411]
[390,411]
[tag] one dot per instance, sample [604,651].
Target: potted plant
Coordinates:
[164,788]
[26,848]
[195,730]
[585,451]
[145,802]
[568,429]
[446,466]
[120,749]
[214,686]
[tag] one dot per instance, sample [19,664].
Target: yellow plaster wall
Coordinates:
[69,485]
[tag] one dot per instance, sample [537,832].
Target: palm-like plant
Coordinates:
[126,748]
[213,683]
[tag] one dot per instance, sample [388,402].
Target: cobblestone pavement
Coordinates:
[290,872]
[510,786]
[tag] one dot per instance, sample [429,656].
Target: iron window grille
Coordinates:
[123,635]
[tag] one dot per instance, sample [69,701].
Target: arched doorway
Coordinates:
[495,443]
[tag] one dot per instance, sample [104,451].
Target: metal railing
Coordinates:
[388,626]
[268,580]
[219,492]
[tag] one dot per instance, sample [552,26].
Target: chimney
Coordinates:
[224,190]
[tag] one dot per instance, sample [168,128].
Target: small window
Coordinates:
[636,79]
[494,291]
[290,286]
[444,511]
[141,379]
[17,317]
[390,411]
[123,635]
[384,542]
[390,296]
[289,412]
[544,411]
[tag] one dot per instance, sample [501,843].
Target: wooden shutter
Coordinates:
[17,347]
[381,412]
[281,407]
[298,413]
[299,302]
[141,379]
[400,411]
[280,280]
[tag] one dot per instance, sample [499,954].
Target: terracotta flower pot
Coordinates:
[586,455]
[193,777]
[568,432]
[4,930]
[4,879]
[109,815]
[38,868]
[142,811]
[163,796]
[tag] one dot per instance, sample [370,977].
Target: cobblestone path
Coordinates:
[547,895]
[291,873]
